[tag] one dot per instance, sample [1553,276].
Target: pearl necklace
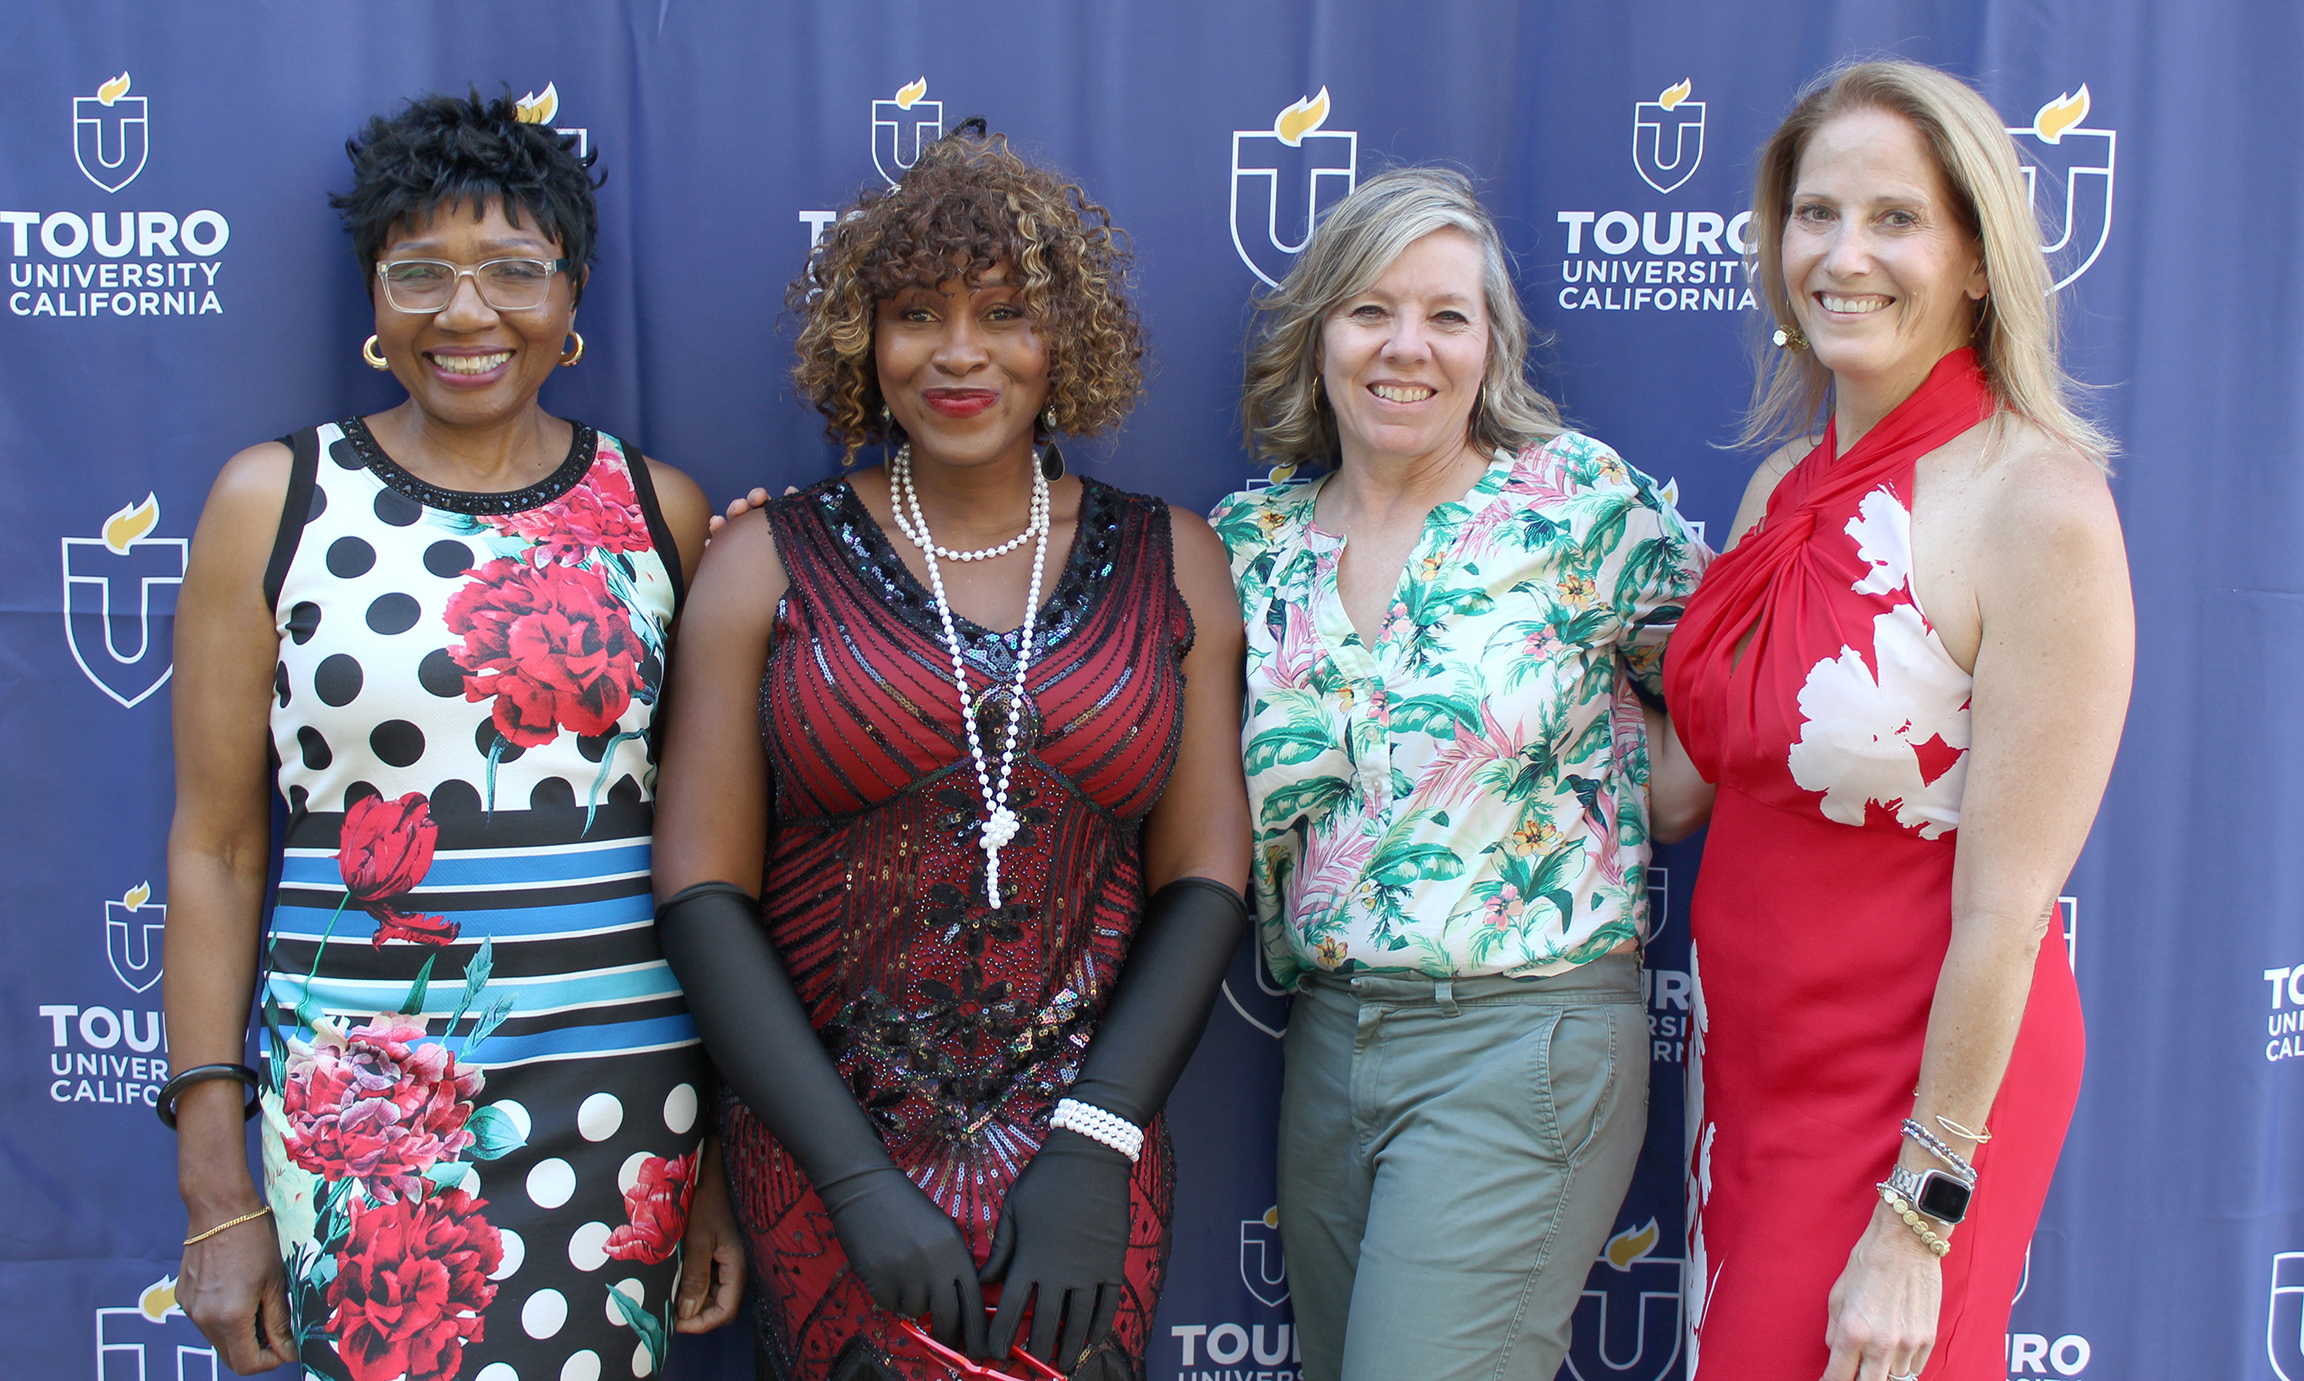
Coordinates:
[1000,823]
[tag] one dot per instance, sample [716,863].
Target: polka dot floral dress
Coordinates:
[481,1102]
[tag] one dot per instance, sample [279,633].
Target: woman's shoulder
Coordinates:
[2030,485]
[1248,520]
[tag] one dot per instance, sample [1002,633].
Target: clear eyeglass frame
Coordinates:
[502,290]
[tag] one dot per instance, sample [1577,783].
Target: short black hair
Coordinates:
[442,150]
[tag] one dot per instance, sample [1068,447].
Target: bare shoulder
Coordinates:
[1763,484]
[2036,498]
[1203,569]
[742,560]
[245,502]
[686,512]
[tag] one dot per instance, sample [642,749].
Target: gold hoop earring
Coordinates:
[373,356]
[575,355]
[1789,338]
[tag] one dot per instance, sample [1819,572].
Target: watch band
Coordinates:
[1936,1193]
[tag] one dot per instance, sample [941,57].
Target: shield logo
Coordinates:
[1282,179]
[902,127]
[1668,138]
[2284,1334]
[132,943]
[1263,1269]
[120,602]
[1627,1325]
[1249,987]
[108,138]
[2069,171]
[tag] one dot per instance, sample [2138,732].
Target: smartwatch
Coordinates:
[1936,1193]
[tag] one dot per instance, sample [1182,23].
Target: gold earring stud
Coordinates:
[1789,338]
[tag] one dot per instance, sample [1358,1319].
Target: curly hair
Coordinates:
[967,207]
[446,150]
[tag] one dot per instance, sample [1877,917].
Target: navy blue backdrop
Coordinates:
[177,288]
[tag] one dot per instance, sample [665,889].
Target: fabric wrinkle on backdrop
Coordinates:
[178,288]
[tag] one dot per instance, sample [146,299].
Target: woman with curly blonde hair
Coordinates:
[1003,833]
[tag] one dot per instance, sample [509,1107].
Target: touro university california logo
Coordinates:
[167,262]
[902,126]
[2069,170]
[106,1054]
[1263,1266]
[1627,1324]
[1283,178]
[132,931]
[137,1342]
[111,133]
[1668,137]
[120,602]
[1654,258]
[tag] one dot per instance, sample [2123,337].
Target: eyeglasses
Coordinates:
[508,285]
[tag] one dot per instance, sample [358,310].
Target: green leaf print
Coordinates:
[1436,715]
[607,763]
[650,1329]
[475,978]
[491,1017]
[1416,862]
[417,989]
[1314,798]
[495,1133]
[1651,567]
[1305,736]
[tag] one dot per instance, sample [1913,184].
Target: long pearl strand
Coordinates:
[1000,823]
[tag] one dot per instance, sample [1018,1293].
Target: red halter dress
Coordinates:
[1838,738]
[957,1026]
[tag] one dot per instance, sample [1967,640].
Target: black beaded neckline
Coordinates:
[582,447]
[1088,565]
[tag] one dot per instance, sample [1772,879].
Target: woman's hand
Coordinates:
[1880,1319]
[233,1287]
[737,508]
[712,1252]
[1062,1249]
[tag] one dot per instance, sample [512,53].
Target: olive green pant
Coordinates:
[1452,1157]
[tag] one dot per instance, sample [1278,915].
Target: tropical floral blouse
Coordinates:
[1466,796]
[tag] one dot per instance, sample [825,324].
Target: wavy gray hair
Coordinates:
[1285,413]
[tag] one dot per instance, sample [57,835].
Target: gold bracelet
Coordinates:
[1914,1221]
[228,1223]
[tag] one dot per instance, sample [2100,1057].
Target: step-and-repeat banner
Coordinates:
[177,288]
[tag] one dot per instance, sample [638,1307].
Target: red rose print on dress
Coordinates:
[371,1104]
[657,1203]
[550,644]
[601,514]
[411,1282]
[385,849]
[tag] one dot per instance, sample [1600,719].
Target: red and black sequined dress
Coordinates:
[957,1026]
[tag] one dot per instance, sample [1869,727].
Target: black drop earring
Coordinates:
[1051,458]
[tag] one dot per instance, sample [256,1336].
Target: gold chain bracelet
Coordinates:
[1914,1221]
[228,1223]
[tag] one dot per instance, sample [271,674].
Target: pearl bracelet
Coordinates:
[1098,1125]
[1913,1220]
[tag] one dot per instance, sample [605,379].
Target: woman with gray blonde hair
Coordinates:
[1450,632]
[1904,679]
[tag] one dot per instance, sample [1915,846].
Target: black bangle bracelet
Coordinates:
[166,1105]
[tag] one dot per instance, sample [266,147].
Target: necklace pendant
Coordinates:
[999,827]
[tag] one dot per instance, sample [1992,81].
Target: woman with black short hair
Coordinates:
[440,631]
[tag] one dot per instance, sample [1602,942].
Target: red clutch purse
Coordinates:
[966,1370]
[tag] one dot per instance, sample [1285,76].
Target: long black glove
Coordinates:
[905,1250]
[1063,1234]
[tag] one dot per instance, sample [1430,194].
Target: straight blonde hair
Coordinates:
[2016,325]
[1285,413]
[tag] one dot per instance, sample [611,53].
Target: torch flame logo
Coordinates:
[1674,95]
[113,90]
[907,94]
[1302,118]
[159,1299]
[1272,1216]
[131,523]
[539,108]
[1631,1245]
[136,896]
[2061,114]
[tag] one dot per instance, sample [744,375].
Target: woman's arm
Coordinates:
[1679,799]
[219,851]
[711,1251]
[711,825]
[1062,1242]
[2052,674]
